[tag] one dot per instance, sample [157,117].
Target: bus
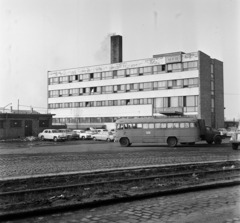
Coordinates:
[170,130]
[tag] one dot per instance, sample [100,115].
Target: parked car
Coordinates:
[104,135]
[82,134]
[52,134]
[70,134]
[101,130]
[223,132]
[235,138]
[231,130]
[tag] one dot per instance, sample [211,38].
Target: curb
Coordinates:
[96,203]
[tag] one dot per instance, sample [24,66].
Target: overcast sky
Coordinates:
[44,35]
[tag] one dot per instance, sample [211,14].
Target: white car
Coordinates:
[52,134]
[104,135]
[70,134]
[235,138]
[82,134]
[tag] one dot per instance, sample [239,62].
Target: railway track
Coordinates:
[44,193]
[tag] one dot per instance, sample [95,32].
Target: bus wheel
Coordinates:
[124,142]
[234,146]
[218,140]
[172,141]
[209,142]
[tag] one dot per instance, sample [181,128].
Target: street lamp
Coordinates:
[6,106]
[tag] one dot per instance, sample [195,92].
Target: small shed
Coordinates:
[16,125]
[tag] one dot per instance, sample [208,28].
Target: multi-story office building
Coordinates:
[171,83]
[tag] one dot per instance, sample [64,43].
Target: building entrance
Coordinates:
[28,127]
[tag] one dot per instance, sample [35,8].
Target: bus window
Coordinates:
[182,125]
[151,125]
[164,125]
[186,125]
[175,125]
[192,125]
[145,126]
[120,127]
[139,125]
[157,125]
[169,125]
[134,126]
[125,126]
[129,126]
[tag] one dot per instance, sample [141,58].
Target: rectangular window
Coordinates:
[43,123]
[107,75]
[63,79]
[97,76]
[190,101]
[74,91]
[159,85]
[139,126]
[151,125]
[63,92]
[1,124]
[174,101]
[192,65]
[121,73]
[145,125]
[176,67]
[54,80]
[132,72]
[115,74]
[136,101]
[73,78]
[147,86]
[15,123]
[159,69]
[85,77]
[133,87]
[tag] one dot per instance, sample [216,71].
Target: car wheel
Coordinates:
[234,146]
[68,137]
[55,139]
[94,138]
[124,142]
[209,142]
[42,138]
[172,141]
[83,137]
[109,140]
[218,140]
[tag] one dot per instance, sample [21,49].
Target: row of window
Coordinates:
[19,123]
[148,86]
[156,125]
[176,67]
[164,102]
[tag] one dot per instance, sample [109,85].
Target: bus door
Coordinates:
[148,133]
[128,131]
[172,130]
[160,132]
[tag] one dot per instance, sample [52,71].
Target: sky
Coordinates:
[37,36]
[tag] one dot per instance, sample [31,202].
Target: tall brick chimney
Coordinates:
[116,49]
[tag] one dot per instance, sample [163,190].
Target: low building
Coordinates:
[23,124]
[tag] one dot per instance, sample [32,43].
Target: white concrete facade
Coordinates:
[129,110]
